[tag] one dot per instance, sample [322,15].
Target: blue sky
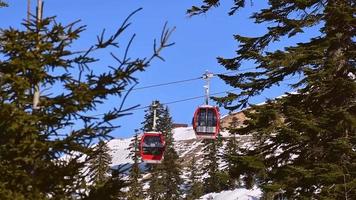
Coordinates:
[199,40]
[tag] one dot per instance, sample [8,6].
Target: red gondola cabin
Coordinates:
[152,147]
[206,122]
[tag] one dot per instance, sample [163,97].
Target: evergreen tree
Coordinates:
[157,188]
[305,140]
[43,155]
[211,166]
[171,168]
[155,192]
[165,180]
[165,124]
[111,189]
[216,179]
[195,185]
[3,4]
[136,187]
[147,124]
[99,165]
[230,152]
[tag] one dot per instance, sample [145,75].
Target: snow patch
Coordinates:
[237,194]
[192,147]
[119,151]
[180,134]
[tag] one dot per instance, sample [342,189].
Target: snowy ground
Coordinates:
[237,194]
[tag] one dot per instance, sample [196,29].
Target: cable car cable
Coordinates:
[192,98]
[183,100]
[198,97]
[185,80]
[164,84]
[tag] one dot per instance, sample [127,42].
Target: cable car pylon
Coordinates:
[152,145]
[206,119]
[207,76]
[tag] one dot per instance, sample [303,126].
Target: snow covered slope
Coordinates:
[119,151]
[186,146]
[180,134]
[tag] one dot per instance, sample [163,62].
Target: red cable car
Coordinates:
[206,122]
[152,147]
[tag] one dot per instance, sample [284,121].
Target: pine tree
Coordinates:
[195,185]
[45,150]
[165,180]
[171,168]
[147,124]
[107,182]
[3,4]
[156,189]
[211,166]
[171,175]
[111,189]
[230,152]
[99,165]
[305,140]
[216,180]
[136,187]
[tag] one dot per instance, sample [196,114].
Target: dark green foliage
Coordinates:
[171,175]
[99,165]
[165,181]
[156,190]
[217,180]
[3,4]
[44,152]
[305,141]
[208,4]
[195,186]
[165,124]
[210,166]
[248,167]
[136,187]
[229,153]
[111,189]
